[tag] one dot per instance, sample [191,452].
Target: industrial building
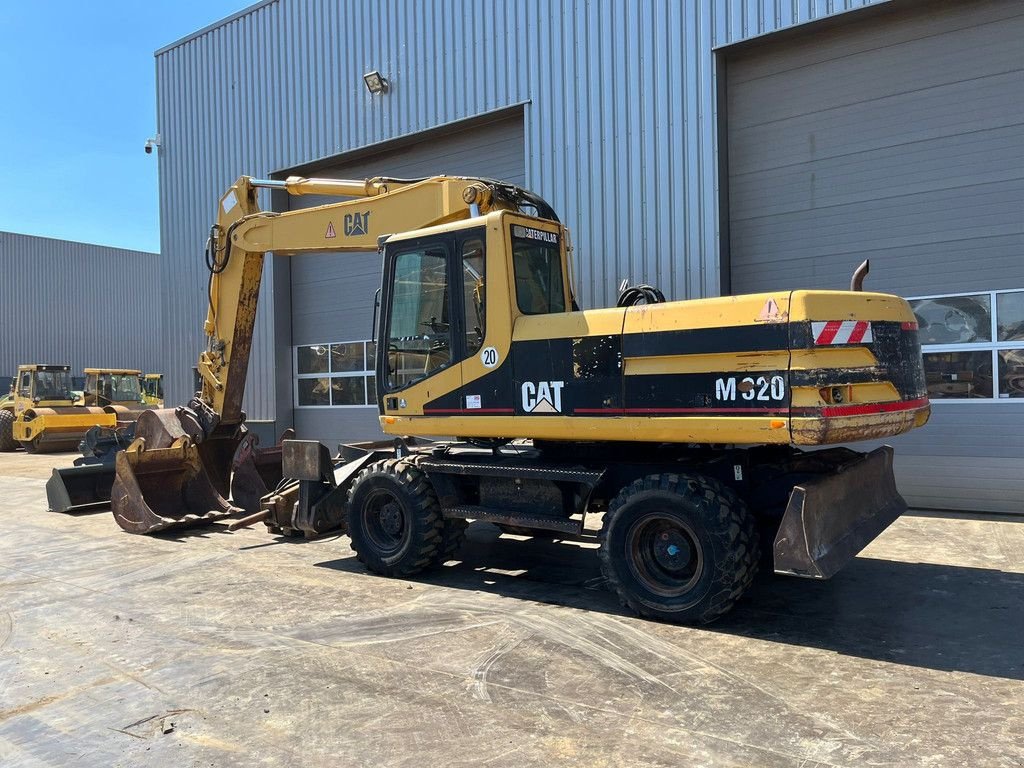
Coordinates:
[706,147]
[77,304]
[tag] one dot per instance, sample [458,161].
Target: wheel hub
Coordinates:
[391,519]
[672,551]
[664,555]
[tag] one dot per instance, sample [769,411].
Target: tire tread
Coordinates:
[742,539]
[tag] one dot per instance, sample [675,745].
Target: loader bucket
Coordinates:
[161,480]
[76,489]
[256,471]
[830,519]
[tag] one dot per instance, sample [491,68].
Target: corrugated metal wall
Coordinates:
[916,162]
[619,110]
[67,303]
[332,297]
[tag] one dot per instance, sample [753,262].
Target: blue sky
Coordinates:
[77,103]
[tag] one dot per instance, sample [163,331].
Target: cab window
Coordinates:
[473,305]
[419,328]
[537,265]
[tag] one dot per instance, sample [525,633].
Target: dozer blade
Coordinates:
[161,481]
[829,520]
[77,489]
[256,471]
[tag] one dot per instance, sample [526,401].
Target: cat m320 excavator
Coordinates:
[685,424]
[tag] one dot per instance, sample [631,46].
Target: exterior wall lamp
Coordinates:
[376,82]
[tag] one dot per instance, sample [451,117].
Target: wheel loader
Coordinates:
[43,414]
[694,429]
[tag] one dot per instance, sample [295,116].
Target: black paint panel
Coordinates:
[737,338]
[590,372]
[723,393]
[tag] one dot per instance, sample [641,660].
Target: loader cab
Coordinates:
[112,386]
[450,298]
[152,386]
[43,385]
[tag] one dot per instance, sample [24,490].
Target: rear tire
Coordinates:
[678,547]
[394,519]
[7,441]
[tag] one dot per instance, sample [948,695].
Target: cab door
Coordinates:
[434,321]
[417,344]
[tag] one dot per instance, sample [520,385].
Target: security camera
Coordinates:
[151,143]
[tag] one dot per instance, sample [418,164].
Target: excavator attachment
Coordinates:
[830,519]
[256,471]
[79,488]
[87,484]
[162,481]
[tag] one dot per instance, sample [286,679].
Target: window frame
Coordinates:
[993,347]
[446,242]
[564,277]
[369,392]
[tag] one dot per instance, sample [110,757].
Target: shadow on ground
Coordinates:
[940,617]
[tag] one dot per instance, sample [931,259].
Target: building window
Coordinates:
[972,344]
[338,374]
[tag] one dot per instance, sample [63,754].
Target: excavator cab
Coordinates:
[451,297]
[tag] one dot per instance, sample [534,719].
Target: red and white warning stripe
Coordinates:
[842,332]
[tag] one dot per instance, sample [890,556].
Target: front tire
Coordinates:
[394,519]
[678,547]
[7,441]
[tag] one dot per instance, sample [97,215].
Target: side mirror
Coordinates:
[376,306]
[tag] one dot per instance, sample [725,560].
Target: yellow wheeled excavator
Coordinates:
[684,424]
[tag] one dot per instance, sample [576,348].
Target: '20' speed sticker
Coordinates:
[489,357]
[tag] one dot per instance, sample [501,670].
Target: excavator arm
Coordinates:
[177,471]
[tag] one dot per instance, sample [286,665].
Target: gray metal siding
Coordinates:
[66,303]
[620,123]
[900,140]
[332,295]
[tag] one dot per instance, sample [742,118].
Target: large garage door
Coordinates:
[899,136]
[332,295]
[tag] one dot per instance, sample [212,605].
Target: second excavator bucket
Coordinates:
[256,471]
[830,519]
[161,481]
[79,488]
[87,484]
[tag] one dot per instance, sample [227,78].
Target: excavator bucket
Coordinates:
[161,480]
[87,484]
[830,519]
[79,488]
[256,471]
